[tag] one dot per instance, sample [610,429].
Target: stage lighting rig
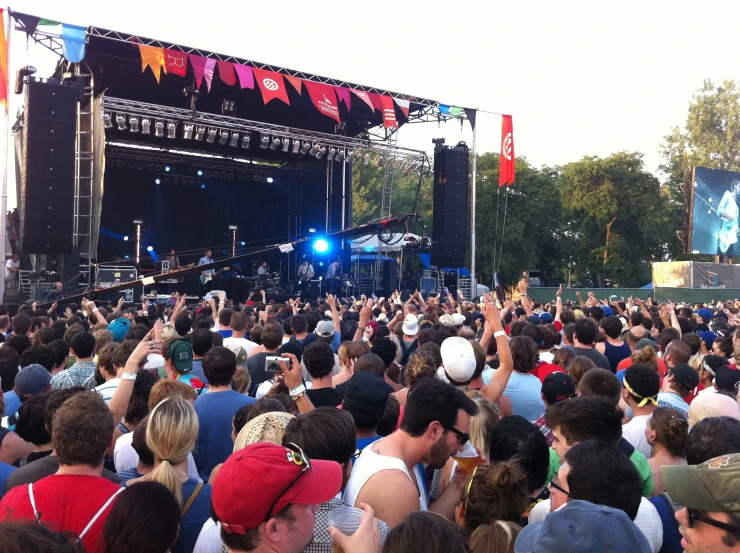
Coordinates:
[187,130]
[286,145]
[350,156]
[200,132]
[275,143]
[234,139]
[223,137]
[159,129]
[146,125]
[264,141]
[211,135]
[332,153]
[296,145]
[228,107]
[245,140]
[398,163]
[340,155]
[172,130]
[379,161]
[121,122]
[388,162]
[321,153]
[107,120]
[134,123]
[314,150]
[305,147]
[367,158]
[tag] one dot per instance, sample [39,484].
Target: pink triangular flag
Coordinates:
[208,72]
[364,96]
[199,65]
[246,76]
[343,95]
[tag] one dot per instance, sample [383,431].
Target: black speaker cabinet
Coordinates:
[450,218]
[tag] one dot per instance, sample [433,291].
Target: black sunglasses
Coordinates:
[695,515]
[558,487]
[464,438]
[298,457]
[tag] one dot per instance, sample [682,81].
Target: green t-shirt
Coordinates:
[639,460]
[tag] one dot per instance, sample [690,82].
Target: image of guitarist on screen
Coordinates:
[728,211]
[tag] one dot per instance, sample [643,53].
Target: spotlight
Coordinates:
[388,162]
[312,230]
[121,121]
[275,143]
[351,156]
[200,173]
[367,158]
[398,162]
[270,180]
[314,150]
[243,243]
[264,141]
[286,144]
[107,120]
[157,181]
[321,245]
[146,126]
[321,153]
[296,145]
[332,153]
[134,123]
[379,161]
[187,131]
[126,256]
[200,132]
[234,139]
[305,147]
[339,156]
[211,136]
[245,140]
[125,238]
[202,186]
[167,168]
[159,129]
[228,107]
[149,249]
[172,130]
[223,137]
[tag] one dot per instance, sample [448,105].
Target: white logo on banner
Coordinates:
[506,147]
[270,84]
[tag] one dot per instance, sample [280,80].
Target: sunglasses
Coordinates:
[694,515]
[464,438]
[470,484]
[558,487]
[297,456]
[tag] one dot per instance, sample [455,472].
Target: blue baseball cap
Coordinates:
[608,311]
[704,313]
[546,317]
[582,527]
[119,328]
[708,336]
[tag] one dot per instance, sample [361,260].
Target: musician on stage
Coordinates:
[332,278]
[206,260]
[305,274]
[263,270]
[173,259]
[728,211]
[55,293]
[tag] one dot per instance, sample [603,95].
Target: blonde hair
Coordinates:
[169,332]
[646,357]
[242,380]
[481,424]
[496,537]
[171,432]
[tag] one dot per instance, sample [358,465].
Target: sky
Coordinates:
[579,78]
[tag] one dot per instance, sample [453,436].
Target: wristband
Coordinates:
[128,376]
[525,295]
[499,333]
[95,310]
[298,391]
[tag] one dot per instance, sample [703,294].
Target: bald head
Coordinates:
[711,405]
[636,333]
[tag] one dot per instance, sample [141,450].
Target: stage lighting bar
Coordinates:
[133,122]
[234,139]
[305,147]
[275,143]
[223,137]
[137,228]
[350,156]
[340,156]
[172,129]
[388,162]
[321,152]
[159,129]
[286,145]
[296,145]
[121,122]
[367,158]
[211,136]
[107,120]
[332,153]
[379,161]
[264,141]
[146,125]
[398,162]
[245,140]
[314,150]
[187,131]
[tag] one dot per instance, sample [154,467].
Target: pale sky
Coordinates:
[579,78]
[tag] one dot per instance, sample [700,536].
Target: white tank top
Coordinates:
[370,463]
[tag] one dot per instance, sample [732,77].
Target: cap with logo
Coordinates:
[710,486]
[325,329]
[119,328]
[411,324]
[260,475]
[32,380]
[458,358]
[181,354]
[446,320]
[241,354]
[558,386]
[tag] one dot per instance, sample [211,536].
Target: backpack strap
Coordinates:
[190,501]
[100,512]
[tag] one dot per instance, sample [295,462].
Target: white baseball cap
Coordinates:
[458,359]
[446,320]
[458,319]
[410,324]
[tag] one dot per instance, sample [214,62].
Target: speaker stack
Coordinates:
[450,218]
[48,168]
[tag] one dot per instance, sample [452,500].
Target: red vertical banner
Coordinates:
[389,112]
[3,64]
[175,62]
[271,84]
[324,98]
[507,161]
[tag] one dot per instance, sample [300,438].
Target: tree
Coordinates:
[620,221]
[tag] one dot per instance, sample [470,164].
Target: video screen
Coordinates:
[715,212]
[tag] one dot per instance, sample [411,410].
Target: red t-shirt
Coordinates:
[66,502]
[543,369]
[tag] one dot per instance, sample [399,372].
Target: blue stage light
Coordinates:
[269,180]
[125,238]
[149,249]
[243,243]
[202,186]
[157,181]
[200,173]
[125,256]
[321,245]
[167,168]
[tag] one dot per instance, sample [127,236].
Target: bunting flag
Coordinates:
[208,72]
[3,64]
[246,76]
[324,98]
[199,67]
[175,62]
[343,95]
[375,100]
[471,114]
[152,57]
[272,85]
[73,38]
[389,112]
[449,110]
[364,97]
[507,160]
[296,82]
[226,72]
[30,22]
[403,105]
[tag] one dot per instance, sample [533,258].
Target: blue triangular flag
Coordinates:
[74,42]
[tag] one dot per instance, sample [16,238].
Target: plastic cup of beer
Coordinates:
[468,458]
[347,520]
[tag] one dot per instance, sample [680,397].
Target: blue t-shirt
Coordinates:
[226,333]
[193,521]
[671,536]
[525,393]
[198,370]
[5,471]
[129,474]
[215,412]
[12,403]
[362,443]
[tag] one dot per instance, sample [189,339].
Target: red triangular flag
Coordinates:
[175,62]
[364,97]
[389,112]
[199,66]
[226,72]
[507,161]
[324,98]
[375,100]
[404,105]
[272,85]
[296,82]
[343,95]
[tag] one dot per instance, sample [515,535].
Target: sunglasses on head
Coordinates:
[694,515]
[297,456]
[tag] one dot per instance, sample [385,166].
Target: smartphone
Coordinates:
[272,363]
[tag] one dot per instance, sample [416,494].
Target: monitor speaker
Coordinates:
[450,219]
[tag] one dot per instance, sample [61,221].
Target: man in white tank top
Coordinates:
[435,426]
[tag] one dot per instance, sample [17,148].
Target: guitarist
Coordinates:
[728,212]
[207,260]
[174,260]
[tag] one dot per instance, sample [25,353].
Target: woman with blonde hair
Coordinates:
[646,357]
[420,365]
[171,433]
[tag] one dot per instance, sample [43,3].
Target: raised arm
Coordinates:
[524,298]
[558,303]
[365,315]
[495,388]
[95,311]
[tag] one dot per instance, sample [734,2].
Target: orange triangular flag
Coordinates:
[153,57]
[296,82]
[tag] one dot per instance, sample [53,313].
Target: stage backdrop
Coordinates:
[712,193]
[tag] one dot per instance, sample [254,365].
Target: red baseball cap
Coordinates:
[253,478]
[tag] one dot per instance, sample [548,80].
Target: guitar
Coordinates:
[206,278]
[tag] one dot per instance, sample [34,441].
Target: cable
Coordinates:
[503,230]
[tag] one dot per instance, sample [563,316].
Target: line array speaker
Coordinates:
[450,218]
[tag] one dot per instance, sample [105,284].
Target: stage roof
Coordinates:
[115,60]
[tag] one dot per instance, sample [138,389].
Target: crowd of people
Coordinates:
[429,425]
